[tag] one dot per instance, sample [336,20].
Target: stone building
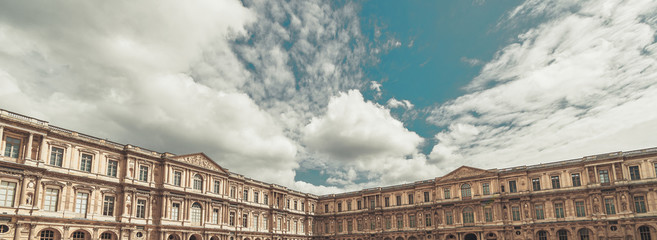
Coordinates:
[60,184]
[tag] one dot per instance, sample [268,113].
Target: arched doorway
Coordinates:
[173,237]
[195,237]
[470,236]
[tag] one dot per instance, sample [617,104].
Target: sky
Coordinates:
[334,96]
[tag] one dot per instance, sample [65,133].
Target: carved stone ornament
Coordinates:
[199,160]
[465,172]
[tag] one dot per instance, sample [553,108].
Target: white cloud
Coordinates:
[362,141]
[394,103]
[583,82]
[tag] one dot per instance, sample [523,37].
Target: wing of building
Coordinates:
[59,184]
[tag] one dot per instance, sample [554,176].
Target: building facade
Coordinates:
[59,184]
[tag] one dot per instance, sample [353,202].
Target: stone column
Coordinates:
[43,156]
[2,146]
[28,155]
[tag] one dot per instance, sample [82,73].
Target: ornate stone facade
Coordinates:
[59,184]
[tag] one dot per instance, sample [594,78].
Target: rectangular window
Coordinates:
[609,206]
[580,209]
[447,193]
[399,202]
[372,203]
[576,180]
[245,196]
[112,168]
[400,222]
[288,203]
[411,221]
[217,186]
[359,225]
[485,188]
[427,219]
[360,205]
[245,220]
[410,198]
[177,178]
[604,176]
[448,218]
[231,219]
[256,197]
[339,207]
[340,227]
[232,192]
[215,216]
[558,210]
[175,211]
[108,206]
[634,173]
[639,204]
[141,208]
[303,207]
[538,210]
[50,200]
[12,147]
[555,182]
[326,227]
[488,214]
[81,201]
[350,226]
[372,224]
[515,213]
[56,156]
[388,223]
[265,200]
[85,162]
[325,208]
[536,184]
[512,187]
[349,206]
[426,197]
[143,173]
[265,222]
[387,201]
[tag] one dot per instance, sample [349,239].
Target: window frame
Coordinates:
[108,210]
[635,172]
[17,148]
[57,159]
[112,169]
[86,164]
[556,181]
[577,176]
[536,184]
[47,198]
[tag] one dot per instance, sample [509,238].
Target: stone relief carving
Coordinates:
[199,160]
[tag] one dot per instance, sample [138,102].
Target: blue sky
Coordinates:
[338,96]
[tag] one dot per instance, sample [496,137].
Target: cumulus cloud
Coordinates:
[580,83]
[362,141]
[234,79]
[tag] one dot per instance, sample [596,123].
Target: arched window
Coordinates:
[468,215]
[47,235]
[196,213]
[542,235]
[465,191]
[583,234]
[79,235]
[198,182]
[644,232]
[106,236]
[562,234]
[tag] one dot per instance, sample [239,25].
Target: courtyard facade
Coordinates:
[57,183]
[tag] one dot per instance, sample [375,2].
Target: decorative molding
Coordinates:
[200,160]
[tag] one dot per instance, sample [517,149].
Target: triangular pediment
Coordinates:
[200,160]
[465,172]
